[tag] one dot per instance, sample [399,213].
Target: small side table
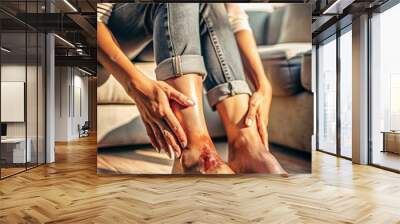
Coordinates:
[391,141]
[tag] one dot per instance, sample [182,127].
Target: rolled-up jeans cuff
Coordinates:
[225,90]
[181,65]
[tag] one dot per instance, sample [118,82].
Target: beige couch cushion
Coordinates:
[119,125]
[147,68]
[291,122]
[287,50]
[296,26]
[110,91]
[306,76]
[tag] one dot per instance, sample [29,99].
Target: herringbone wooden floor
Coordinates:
[69,191]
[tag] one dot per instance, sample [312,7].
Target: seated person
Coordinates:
[194,44]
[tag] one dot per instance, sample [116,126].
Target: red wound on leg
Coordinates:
[208,160]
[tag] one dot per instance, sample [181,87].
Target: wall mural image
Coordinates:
[204,88]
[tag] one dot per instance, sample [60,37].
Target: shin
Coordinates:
[200,154]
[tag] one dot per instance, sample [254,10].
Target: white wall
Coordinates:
[80,83]
[15,73]
[62,81]
[12,101]
[70,83]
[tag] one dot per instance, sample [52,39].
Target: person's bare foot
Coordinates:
[247,154]
[201,158]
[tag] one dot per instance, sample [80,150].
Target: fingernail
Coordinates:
[249,122]
[190,102]
[184,144]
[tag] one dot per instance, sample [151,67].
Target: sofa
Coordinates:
[283,38]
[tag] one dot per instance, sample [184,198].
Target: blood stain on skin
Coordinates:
[208,159]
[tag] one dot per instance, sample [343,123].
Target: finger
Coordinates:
[152,137]
[171,153]
[174,147]
[170,139]
[262,128]
[176,128]
[168,151]
[266,120]
[177,96]
[159,137]
[251,114]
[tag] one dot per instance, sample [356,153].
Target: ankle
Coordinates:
[200,152]
[194,143]
[244,138]
[190,158]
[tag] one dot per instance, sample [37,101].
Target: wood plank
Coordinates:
[70,191]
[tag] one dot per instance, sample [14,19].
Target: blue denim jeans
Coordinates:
[188,38]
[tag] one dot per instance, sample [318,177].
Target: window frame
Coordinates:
[378,10]
[31,30]
[334,37]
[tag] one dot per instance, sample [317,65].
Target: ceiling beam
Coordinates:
[337,7]
[78,61]
[45,22]
[83,23]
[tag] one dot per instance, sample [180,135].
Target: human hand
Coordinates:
[152,99]
[259,106]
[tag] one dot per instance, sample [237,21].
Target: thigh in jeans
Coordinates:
[131,24]
[177,40]
[174,29]
[221,55]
